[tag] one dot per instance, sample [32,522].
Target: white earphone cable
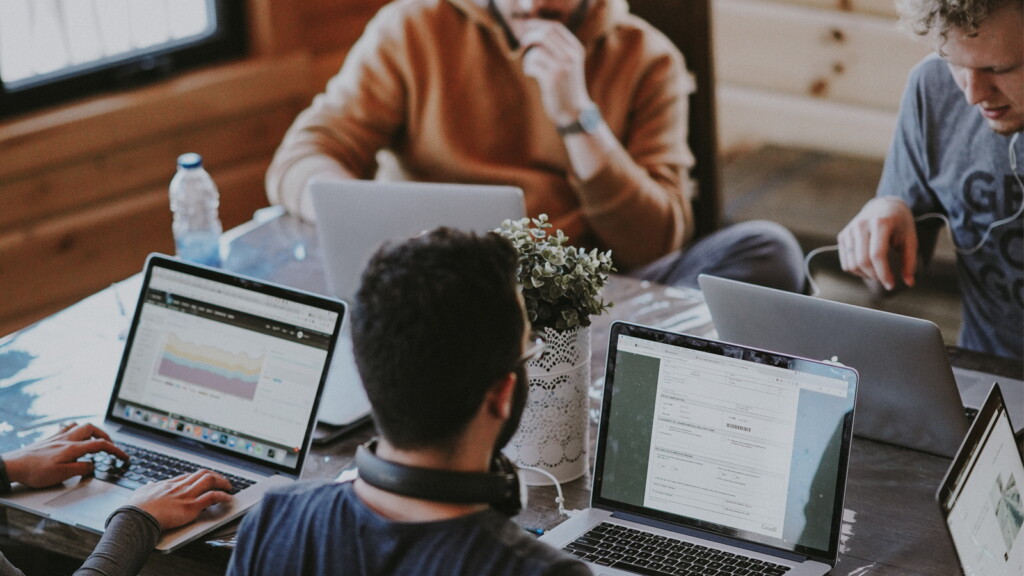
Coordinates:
[560,500]
[937,216]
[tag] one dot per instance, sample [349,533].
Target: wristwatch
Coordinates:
[587,122]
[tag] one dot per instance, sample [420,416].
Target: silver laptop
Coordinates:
[219,371]
[980,497]
[908,396]
[355,217]
[714,453]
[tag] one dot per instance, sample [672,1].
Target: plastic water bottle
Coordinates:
[194,202]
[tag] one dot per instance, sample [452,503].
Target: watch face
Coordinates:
[590,119]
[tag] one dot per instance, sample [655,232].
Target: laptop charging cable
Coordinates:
[560,499]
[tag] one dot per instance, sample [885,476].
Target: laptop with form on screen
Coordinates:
[716,452]
[219,371]
[355,217]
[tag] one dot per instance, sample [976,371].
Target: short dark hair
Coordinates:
[436,322]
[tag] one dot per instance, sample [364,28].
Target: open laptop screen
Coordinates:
[226,363]
[980,498]
[725,439]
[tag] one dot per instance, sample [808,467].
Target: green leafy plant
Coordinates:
[561,284]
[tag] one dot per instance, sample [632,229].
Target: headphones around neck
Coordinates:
[500,487]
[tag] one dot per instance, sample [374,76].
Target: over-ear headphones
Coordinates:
[500,487]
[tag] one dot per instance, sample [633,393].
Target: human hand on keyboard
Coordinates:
[178,501]
[59,457]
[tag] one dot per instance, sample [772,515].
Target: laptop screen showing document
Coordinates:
[226,367]
[725,440]
[980,498]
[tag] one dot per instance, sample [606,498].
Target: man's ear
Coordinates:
[499,397]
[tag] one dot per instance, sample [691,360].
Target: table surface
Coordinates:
[63,368]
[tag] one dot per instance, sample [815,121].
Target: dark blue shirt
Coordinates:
[319,529]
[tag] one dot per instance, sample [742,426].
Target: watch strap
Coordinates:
[587,122]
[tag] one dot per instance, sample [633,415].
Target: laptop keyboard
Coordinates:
[641,552]
[147,466]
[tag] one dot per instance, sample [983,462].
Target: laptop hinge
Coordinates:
[647,521]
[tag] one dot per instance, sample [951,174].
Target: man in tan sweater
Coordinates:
[577,102]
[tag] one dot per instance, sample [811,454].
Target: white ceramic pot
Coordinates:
[553,432]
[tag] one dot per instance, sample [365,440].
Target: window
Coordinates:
[55,50]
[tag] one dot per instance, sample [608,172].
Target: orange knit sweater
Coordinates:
[436,86]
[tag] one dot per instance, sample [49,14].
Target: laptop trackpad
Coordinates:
[89,504]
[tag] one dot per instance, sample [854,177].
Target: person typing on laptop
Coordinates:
[956,158]
[132,530]
[577,102]
[439,336]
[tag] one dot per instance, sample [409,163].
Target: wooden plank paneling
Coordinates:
[879,7]
[750,117]
[275,27]
[150,161]
[88,249]
[94,247]
[242,194]
[115,122]
[823,54]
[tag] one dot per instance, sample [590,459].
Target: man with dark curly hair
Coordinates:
[955,159]
[439,336]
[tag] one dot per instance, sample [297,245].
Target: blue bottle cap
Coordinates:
[190,160]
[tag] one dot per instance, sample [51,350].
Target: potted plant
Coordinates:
[561,286]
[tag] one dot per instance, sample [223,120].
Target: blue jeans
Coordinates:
[757,252]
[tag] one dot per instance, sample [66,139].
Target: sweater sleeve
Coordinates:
[361,109]
[129,538]
[645,184]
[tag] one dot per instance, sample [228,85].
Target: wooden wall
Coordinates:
[83,187]
[821,74]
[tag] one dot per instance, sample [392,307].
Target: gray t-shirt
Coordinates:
[319,529]
[944,158]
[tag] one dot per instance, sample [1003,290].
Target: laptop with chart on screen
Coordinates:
[219,371]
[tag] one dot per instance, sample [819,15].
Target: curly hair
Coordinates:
[935,18]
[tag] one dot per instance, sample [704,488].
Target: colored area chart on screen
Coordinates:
[210,367]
